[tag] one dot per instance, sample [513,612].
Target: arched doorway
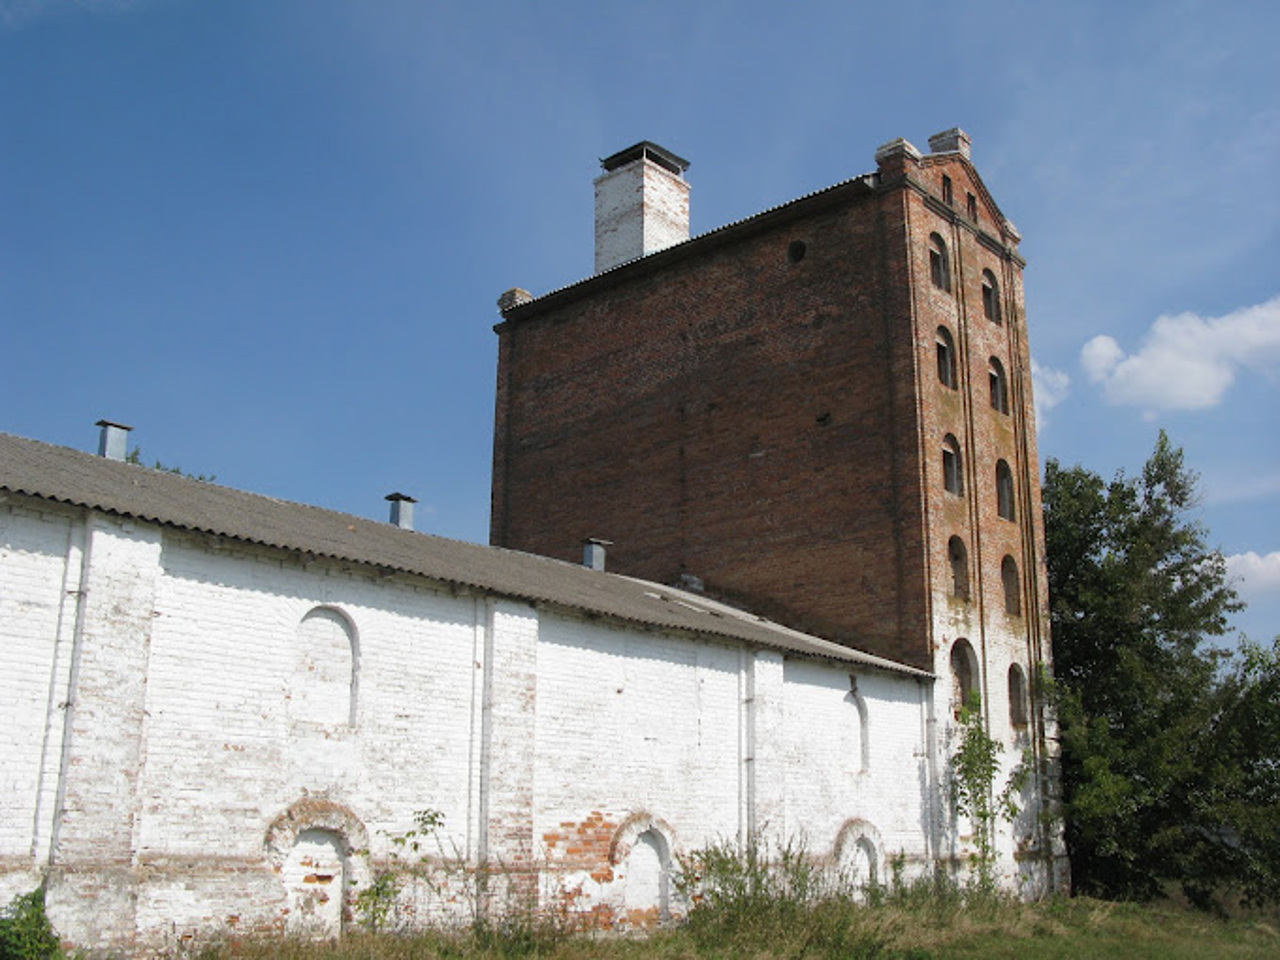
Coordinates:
[315,881]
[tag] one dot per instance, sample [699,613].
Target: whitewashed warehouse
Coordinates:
[220,708]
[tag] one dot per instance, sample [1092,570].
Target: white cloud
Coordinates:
[1255,574]
[1186,362]
[1050,388]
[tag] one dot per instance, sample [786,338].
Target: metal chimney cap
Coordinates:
[112,423]
[400,497]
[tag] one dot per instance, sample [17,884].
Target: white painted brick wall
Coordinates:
[34,547]
[547,740]
[640,208]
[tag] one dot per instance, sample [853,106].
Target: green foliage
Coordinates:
[1168,774]
[25,932]
[973,776]
[376,902]
[746,896]
[135,457]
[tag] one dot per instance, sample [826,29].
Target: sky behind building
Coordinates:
[271,235]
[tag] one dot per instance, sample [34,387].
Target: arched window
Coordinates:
[864,739]
[946,358]
[959,558]
[324,682]
[1012,586]
[1004,491]
[999,387]
[990,297]
[939,263]
[964,675]
[952,472]
[1017,696]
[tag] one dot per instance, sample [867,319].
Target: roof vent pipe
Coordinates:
[401,510]
[113,442]
[593,553]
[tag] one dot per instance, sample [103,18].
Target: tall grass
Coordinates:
[756,902]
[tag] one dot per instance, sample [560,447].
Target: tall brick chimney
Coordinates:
[642,204]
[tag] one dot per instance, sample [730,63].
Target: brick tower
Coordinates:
[822,413]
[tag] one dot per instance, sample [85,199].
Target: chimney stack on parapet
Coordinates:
[401,510]
[593,553]
[113,441]
[954,140]
[642,204]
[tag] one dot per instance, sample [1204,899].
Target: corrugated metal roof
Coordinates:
[83,480]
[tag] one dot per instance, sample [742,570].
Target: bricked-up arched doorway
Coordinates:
[315,876]
[310,846]
[641,850]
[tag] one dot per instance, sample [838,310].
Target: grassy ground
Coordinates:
[891,931]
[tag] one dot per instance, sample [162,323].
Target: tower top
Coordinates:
[646,150]
[642,204]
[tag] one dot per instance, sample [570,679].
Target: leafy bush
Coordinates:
[25,932]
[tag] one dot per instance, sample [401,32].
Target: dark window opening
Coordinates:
[1004,491]
[952,474]
[796,251]
[999,387]
[939,263]
[947,197]
[1018,712]
[971,203]
[946,358]
[962,676]
[1012,587]
[959,559]
[990,297]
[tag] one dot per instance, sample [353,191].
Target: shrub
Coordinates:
[25,932]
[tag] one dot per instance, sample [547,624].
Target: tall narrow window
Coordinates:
[946,358]
[963,675]
[990,297]
[959,558]
[999,386]
[1012,586]
[971,205]
[1004,491]
[1017,696]
[952,474]
[939,263]
[947,195]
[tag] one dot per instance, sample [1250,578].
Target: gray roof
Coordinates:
[123,489]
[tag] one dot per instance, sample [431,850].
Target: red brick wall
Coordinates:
[774,427]
[722,411]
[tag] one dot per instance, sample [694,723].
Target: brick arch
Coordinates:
[630,830]
[857,832]
[313,813]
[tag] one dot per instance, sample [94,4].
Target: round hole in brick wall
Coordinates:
[796,251]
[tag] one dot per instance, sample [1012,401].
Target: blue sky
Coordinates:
[270,234]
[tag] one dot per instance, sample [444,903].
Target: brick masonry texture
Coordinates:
[554,745]
[202,738]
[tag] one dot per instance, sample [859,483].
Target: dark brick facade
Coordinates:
[760,408]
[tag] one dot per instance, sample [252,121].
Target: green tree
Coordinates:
[1241,827]
[1135,592]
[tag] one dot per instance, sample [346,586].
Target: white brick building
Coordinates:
[219,708]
